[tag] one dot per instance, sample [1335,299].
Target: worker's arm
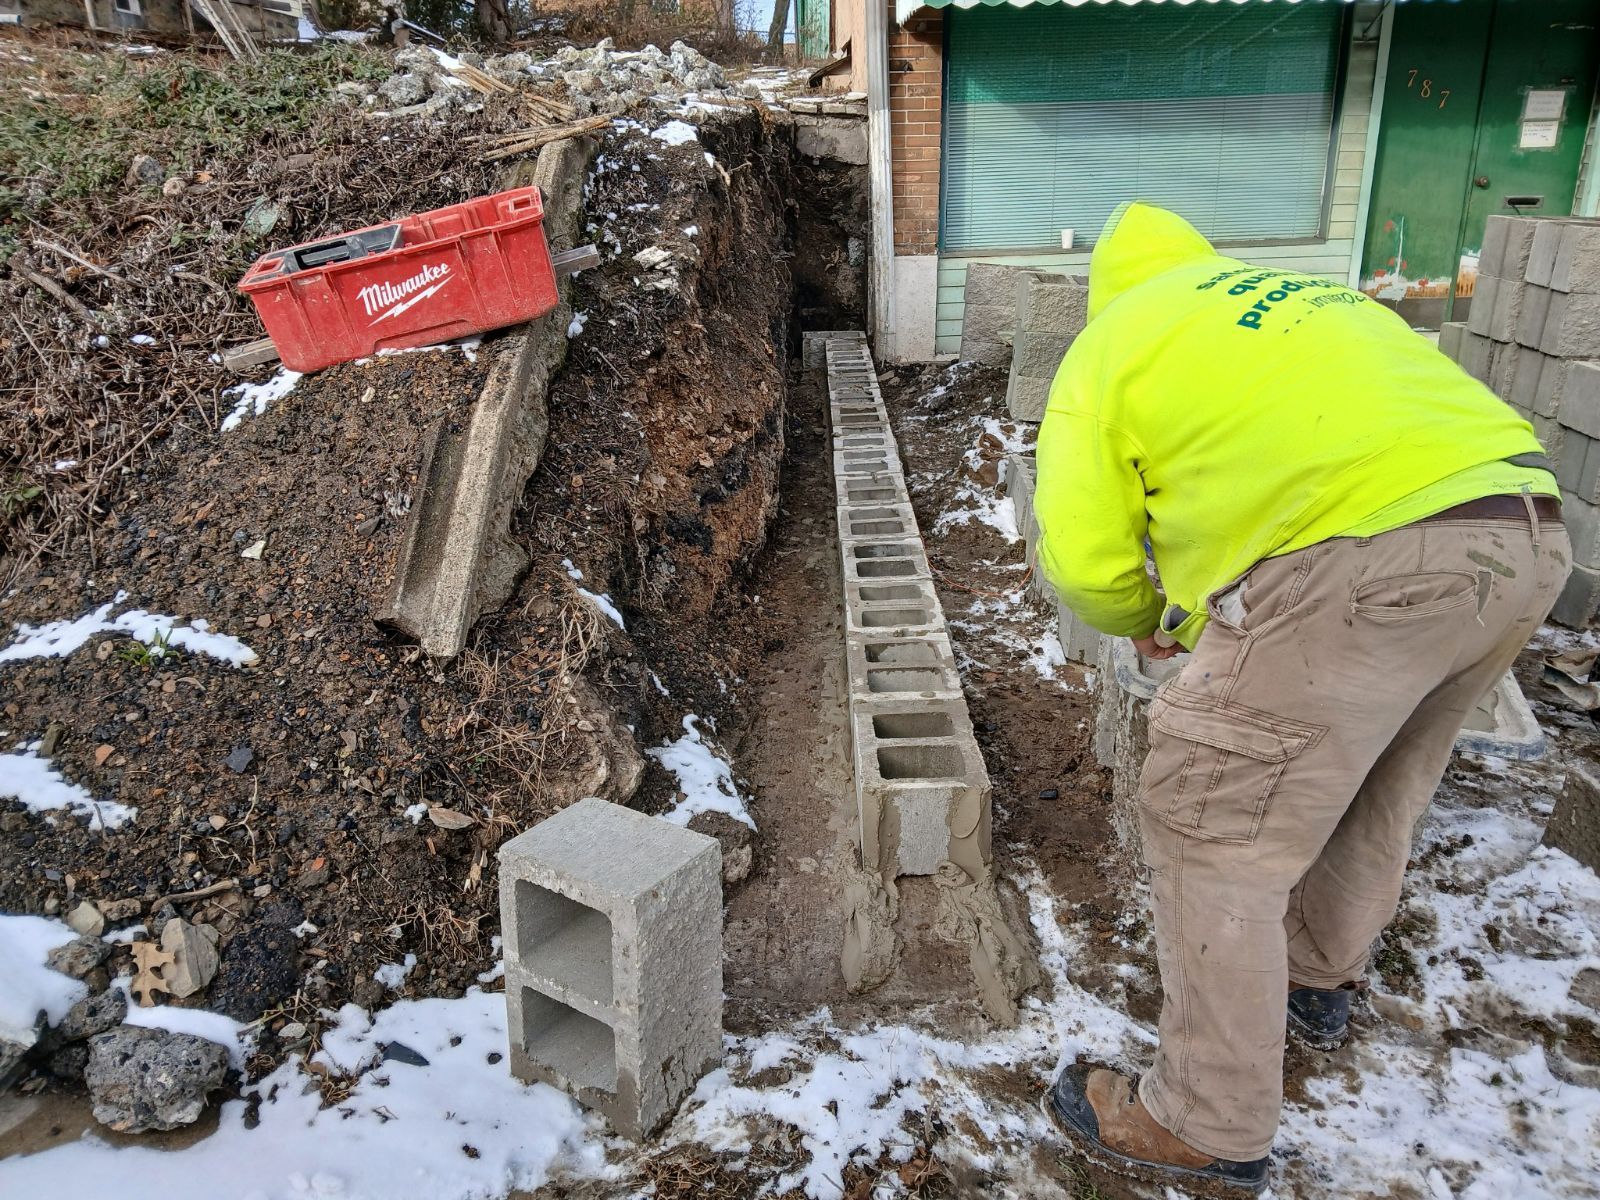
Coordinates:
[1090,508]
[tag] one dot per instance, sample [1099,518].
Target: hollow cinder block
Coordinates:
[1552,436]
[1475,352]
[902,666]
[1503,360]
[853,490]
[877,521]
[1523,394]
[1542,252]
[921,787]
[883,561]
[1081,641]
[1450,339]
[612,928]
[1052,304]
[1530,323]
[1508,300]
[814,345]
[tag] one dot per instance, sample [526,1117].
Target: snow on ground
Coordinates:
[459,1129]
[602,601]
[676,133]
[252,399]
[704,777]
[28,777]
[57,639]
[27,986]
[393,975]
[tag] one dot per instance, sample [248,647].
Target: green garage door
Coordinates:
[1054,116]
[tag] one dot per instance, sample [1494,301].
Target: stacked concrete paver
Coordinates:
[922,789]
[612,925]
[1051,313]
[1534,339]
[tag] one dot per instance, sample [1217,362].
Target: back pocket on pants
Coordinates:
[1213,765]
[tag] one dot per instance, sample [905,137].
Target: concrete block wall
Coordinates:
[989,323]
[1533,338]
[1051,313]
[612,934]
[922,790]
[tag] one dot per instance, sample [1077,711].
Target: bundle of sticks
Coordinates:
[522,141]
[479,81]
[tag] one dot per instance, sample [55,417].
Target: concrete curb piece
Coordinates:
[612,924]
[457,558]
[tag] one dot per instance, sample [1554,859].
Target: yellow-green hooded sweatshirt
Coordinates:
[1232,413]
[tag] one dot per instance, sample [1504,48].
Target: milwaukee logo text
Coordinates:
[400,296]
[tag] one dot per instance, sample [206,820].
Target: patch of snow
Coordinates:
[65,464]
[393,975]
[704,777]
[691,231]
[572,571]
[27,986]
[575,326]
[602,601]
[659,686]
[415,812]
[253,398]
[497,971]
[57,639]
[122,937]
[676,133]
[40,787]
[455,1130]
[238,1040]
[1047,654]
[304,929]
[142,339]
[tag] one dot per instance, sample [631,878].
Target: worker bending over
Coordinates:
[1355,539]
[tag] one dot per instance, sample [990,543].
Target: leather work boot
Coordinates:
[1102,1115]
[1320,1017]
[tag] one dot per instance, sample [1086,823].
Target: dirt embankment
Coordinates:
[298,782]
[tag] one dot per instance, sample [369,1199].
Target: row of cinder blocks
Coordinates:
[1051,313]
[1533,337]
[1080,640]
[922,790]
[611,925]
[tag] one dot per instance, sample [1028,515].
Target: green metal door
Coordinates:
[1486,110]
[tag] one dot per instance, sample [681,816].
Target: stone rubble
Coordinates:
[600,79]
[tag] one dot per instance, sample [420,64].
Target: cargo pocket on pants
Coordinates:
[1213,766]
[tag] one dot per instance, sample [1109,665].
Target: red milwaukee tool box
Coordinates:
[423,279]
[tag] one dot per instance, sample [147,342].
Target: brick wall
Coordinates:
[916,86]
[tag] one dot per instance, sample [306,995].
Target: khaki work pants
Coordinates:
[1288,763]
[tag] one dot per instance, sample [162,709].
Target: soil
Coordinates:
[659,484]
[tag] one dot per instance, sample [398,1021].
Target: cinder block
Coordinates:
[1542,254]
[924,799]
[1039,355]
[1574,825]
[877,521]
[1507,242]
[1507,309]
[850,491]
[1027,398]
[1572,325]
[814,345]
[1579,599]
[1578,387]
[1450,339]
[892,609]
[1585,454]
[989,315]
[1503,360]
[1081,641]
[612,925]
[1484,293]
[884,561]
[1582,520]
[1476,350]
[1577,262]
[1574,458]
[1523,394]
[1052,305]
[995,284]
[1552,436]
[1535,308]
[916,666]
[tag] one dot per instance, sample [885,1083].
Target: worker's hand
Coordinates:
[1154,651]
